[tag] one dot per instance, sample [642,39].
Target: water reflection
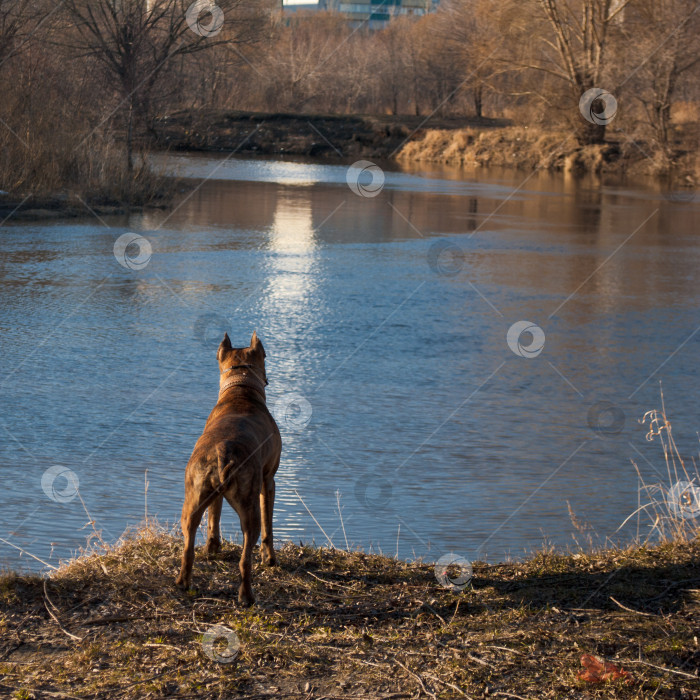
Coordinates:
[286,310]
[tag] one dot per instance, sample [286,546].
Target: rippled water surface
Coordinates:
[386,317]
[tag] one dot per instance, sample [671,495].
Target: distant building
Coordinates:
[374,14]
[303,5]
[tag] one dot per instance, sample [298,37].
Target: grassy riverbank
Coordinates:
[533,148]
[336,624]
[147,190]
[26,207]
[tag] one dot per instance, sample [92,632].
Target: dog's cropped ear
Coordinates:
[225,345]
[256,345]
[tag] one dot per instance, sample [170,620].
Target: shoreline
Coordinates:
[467,144]
[338,624]
[32,208]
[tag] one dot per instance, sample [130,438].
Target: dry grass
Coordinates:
[336,624]
[516,146]
[58,161]
[347,625]
[532,147]
[672,509]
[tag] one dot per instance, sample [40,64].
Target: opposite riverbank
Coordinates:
[314,135]
[346,625]
[407,140]
[458,142]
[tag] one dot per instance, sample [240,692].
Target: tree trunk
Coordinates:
[129,141]
[663,110]
[589,134]
[477,93]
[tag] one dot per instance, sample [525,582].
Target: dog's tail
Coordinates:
[229,462]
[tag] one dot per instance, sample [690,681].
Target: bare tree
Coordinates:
[440,66]
[19,21]
[575,47]
[302,63]
[391,63]
[135,40]
[667,49]
[471,28]
[12,18]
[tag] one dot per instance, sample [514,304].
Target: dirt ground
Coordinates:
[347,625]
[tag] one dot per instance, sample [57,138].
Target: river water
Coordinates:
[409,423]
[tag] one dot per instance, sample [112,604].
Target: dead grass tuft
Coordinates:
[534,147]
[672,509]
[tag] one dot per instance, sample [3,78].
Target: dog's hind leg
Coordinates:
[249,512]
[267,503]
[192,512]
[213,533]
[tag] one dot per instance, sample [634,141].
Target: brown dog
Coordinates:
[235,458]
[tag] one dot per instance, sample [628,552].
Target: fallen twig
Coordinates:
[454,614]
[447,683]
[417,677]
[512,651]
[636,612]
[479,661]
[54,616]
[661,668]
[432,610]
[166,646]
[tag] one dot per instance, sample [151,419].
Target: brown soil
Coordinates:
[298,134]
[347,625]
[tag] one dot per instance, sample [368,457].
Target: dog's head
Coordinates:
[253,356]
